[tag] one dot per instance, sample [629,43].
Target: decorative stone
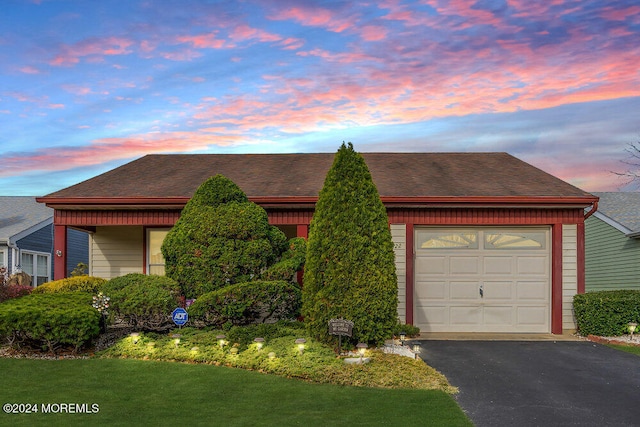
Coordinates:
[356,360]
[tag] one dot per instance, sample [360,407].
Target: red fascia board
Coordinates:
[302,200]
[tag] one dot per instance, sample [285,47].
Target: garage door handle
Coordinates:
[481,291]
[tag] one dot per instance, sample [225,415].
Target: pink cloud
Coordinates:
[93,47]
[182,55]
[77,89]
[110,149]
[245,32]
[29,70]
[314,17]
[612,14]
[373,33]
[203,41]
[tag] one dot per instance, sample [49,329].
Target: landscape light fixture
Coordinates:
[221,341]
[300,342]
[416,349]
[176,339]
[403,335]
[362,347]
[135,336]
[632,328]
[259,342]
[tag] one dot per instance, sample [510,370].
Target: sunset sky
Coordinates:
[87,86]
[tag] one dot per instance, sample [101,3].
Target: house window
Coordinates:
[36,265]
[155,260]
[3,259]
[450,239]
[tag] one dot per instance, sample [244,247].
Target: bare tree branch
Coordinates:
[632,162]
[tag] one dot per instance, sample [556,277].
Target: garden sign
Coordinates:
[342,328]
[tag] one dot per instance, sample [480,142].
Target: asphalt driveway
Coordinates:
[505,383]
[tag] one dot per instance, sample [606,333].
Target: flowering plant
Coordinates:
[101,303]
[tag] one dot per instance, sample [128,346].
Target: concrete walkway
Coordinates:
[540,383]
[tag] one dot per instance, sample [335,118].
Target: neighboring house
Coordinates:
[26,239]
[484,242]
[612,245]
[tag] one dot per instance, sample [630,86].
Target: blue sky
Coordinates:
[87,86]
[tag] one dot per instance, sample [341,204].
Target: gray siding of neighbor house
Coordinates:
[612,260]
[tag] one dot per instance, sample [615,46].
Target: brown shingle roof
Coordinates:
[302,175]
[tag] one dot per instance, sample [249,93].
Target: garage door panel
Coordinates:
[512,272]
[464,290]
[498,315]
[432,290]
[433,265]
[532,315]
[529,290]
[436,317]
[533,265]
[497,265]
[464,265]
[465,315]
[498,290]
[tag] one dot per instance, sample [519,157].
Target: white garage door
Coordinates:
[482,280]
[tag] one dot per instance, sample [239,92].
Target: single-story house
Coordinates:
[612,243]
[484,242]
[26,239]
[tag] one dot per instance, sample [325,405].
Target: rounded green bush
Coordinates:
[248,303]
[50,321]
[220,239]
[143,301]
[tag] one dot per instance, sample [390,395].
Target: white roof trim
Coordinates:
[32,229]
[615,224]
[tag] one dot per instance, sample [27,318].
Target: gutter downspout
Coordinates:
[592,210]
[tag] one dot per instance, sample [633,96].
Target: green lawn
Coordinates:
[628,348]
[134,392]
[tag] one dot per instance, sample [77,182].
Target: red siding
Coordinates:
[116,217]
[485,216]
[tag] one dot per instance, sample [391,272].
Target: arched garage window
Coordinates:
[448,239]
[515,239]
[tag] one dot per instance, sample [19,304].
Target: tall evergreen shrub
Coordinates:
[220,239]
[350,266]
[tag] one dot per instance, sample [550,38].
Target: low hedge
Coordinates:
[606,313]
[143,301]
[248,303]
[49,321]
[83,283]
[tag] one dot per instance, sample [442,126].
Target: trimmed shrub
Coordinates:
[82,283]
[350,267]
[409,330]
[606,313]
[143,301]
[14,291]
[247,303]
[290,263]
[50,321]
[220,239]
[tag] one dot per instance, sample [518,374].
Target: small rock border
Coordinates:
[621,340]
